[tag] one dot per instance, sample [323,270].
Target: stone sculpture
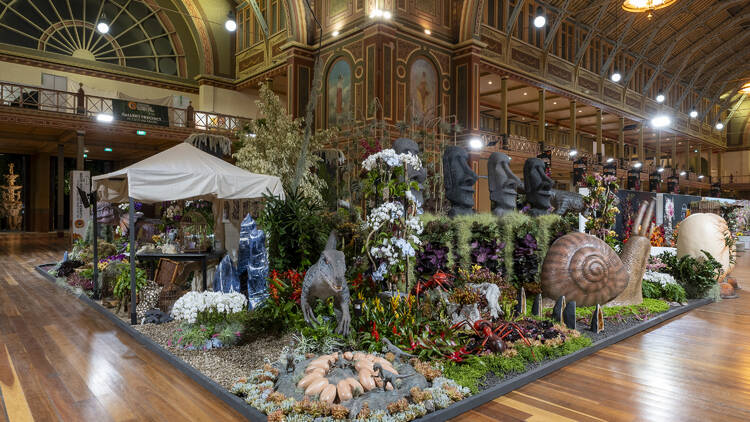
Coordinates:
[565,202]
[558,309]
[584,269]
[569,315]
[597,320]
[225,277]
[253,261]
[408,146]
[503,184]
[536,308]
[12,205]
[538,187]
[459,180]
[326,278]
[386,376]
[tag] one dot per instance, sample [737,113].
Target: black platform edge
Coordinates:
[451,411]
[227,397]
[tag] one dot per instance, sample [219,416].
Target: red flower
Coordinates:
[374,332]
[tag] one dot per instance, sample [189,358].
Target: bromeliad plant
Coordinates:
[393,226]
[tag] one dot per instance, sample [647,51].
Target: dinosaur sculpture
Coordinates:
[386,375]
[326,278]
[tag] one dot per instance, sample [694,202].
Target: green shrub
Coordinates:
[296,231]
[651,290]
[696,276]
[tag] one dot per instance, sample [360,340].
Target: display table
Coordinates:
[201,257]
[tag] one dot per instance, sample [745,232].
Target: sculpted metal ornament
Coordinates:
[326,278]
[538,186]
[459,180]
[408,146]
[503,184]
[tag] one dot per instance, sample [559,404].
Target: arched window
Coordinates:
[137,37]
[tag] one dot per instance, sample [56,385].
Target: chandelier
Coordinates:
[745,88]
[646,5]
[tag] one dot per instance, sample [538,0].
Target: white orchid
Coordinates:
[188,306]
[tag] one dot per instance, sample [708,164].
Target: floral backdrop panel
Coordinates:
[423,89]
[339,93]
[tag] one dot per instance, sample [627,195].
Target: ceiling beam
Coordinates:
[500,91]
[736,106]
[697,74]
[536,100]
[663,21]
[590,35]
[513,18]
[550,36]
[659,67]
[618,45]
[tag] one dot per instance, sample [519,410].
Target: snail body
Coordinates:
[584,269]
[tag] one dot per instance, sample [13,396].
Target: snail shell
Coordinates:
[584,269]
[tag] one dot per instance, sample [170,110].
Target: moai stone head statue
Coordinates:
[459,180]
[538,186]
[408,146]
[503,184]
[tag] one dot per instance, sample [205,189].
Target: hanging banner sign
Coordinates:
[80,216]
[259,17]
[131,111]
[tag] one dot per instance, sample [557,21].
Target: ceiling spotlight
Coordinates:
[660,98]
[525,93]
[572,153]
[637,165]
[540,20]
[489,82]
[335,33]
[386,15]
[107,149]
[700,177]
[720,125]
[661,121]
[693,114]
[103,25]
[230,24]
[427,31]
[85,156]
[554,102]
[104,118]
[682,173]
[580,111]
[660,169]
[475,143]
[616,77]
[610,159]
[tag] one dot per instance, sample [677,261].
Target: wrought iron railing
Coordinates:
[80,103]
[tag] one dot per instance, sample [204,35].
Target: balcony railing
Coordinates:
[79,103]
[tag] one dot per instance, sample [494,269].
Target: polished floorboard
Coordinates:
[695,367]
[62,360]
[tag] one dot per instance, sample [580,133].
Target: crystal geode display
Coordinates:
[253,261]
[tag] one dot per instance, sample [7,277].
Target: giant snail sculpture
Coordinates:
[584,269]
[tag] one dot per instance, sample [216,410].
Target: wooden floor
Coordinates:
[695,367]
[61,360]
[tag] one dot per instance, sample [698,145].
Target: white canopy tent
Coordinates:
[183,172]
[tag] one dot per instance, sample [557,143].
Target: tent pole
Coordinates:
[131,232]
[97,286]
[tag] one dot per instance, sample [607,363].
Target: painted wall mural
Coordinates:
[339,93]
[423,90]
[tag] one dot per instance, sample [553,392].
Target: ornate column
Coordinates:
[641,155]
[541,119]
[599,144]
[621,140]
[80,148]
[573,134]
[504,105]
[59,225]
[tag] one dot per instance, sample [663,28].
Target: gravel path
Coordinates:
[225,365]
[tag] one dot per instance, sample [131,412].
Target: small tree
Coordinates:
[271,145]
